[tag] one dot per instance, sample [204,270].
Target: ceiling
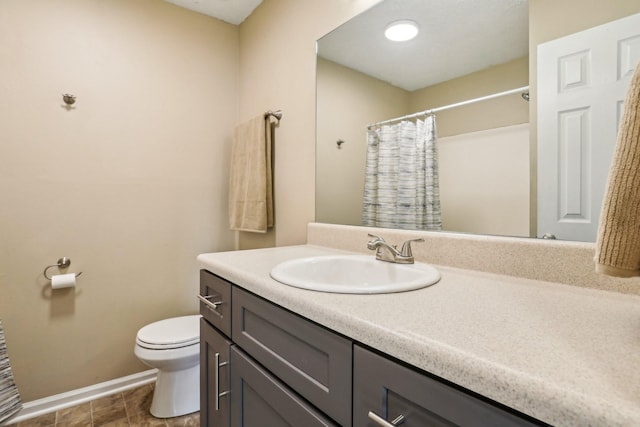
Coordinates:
[231,11]
[457,37]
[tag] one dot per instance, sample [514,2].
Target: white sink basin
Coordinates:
[354,274]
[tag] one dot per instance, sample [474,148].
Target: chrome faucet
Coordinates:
[388,253]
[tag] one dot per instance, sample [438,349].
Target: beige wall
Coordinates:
[277,64]
[490,114]
[130,183]
[347,102]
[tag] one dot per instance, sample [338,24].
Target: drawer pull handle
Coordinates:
[384,423]
[217,390]
[211,305]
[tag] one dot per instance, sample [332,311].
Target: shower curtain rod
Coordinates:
[457,104]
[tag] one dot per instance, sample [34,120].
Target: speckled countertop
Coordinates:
[566,355]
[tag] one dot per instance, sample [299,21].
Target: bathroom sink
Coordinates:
[354,274]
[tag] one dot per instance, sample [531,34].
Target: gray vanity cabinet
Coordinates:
[276,368]
[387,391]
[273,368]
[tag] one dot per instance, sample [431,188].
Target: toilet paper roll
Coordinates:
[60,281]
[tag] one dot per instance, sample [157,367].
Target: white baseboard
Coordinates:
[75,397]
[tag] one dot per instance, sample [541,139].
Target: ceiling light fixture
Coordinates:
[401,31]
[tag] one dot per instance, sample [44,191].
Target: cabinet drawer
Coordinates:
[214,376]
[217,293]
[389,390]
[258,399]
[313,361]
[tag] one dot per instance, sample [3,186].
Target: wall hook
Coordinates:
[339,144]
[68,98]
[63,262]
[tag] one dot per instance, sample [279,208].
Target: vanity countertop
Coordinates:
[566,355]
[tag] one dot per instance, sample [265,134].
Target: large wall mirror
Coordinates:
[465,50]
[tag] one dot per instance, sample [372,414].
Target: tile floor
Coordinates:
[129,408]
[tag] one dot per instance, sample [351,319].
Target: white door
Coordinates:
[582,82]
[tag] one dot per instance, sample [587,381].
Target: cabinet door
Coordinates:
[259,400]
[390,390]
[313,361]
[214,377]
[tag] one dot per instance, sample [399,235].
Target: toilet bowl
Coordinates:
[173,347]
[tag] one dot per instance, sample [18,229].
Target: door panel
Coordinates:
[214,376]
[215,301]
[582,82]
[310,359]
[258,399]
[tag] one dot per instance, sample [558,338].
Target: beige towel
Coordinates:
[250,183]
[618,243]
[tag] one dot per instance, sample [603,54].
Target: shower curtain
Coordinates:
[401,176]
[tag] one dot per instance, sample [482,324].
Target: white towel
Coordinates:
[250,182]
[618,243]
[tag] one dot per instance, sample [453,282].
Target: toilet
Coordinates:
[173,347]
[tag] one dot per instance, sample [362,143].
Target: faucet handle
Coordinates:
[372,244]
[406,247]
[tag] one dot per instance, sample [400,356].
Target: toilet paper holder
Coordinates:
[63,262]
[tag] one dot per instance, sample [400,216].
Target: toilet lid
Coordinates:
[170,333]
